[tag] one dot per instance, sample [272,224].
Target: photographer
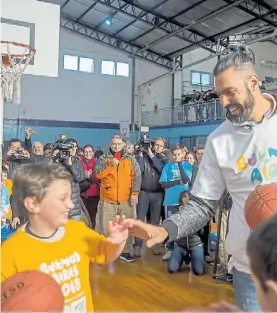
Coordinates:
[151,160]
[64,153]
[17,154]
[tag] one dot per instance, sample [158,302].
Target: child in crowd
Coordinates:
[50,242]
[175,178]
[187,249]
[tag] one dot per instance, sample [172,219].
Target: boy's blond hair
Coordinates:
[33,180]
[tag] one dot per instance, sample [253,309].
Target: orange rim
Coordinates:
[6,57]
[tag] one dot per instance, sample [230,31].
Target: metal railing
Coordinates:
[182,114]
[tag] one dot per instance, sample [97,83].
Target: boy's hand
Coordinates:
[118,230]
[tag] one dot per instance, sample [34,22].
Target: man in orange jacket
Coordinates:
[120,178]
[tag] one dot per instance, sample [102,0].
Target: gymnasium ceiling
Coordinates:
[162,30]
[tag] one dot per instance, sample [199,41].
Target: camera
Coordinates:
[144,144]
[63,149]
[19,150]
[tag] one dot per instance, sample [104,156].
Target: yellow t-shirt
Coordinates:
[66,260]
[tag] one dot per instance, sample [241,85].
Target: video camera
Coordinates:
[144,144]
[64,149]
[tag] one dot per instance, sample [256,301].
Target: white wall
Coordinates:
[159,92]
[77,96]
[263,51]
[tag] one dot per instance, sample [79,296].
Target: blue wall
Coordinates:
[173,133]
[98,134]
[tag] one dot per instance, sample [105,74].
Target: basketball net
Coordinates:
[12,68]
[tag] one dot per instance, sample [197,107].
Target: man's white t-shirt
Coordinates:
[239,158]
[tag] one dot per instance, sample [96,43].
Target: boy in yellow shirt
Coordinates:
[50,242]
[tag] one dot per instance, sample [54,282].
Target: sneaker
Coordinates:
[126,257]
[136,251]
[221,271]
[224,279]
[156,250]
[167,255]
[229,278]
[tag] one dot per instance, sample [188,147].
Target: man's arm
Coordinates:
[103,168]
[190,218]
[140,161]
[77,170]
[206,193]
[137,176]
[157,163]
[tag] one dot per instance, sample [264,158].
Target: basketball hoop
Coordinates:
[12,68]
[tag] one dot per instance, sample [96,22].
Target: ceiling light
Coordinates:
[108,21]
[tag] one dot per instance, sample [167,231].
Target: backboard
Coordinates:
[36,24]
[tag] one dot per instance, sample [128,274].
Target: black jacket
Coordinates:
[151,169]
[78,175]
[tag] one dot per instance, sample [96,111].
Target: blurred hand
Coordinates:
[15,222]
[151,234]
[87,174]
[11,152]
[118,230]
[134,199]
[150,152]
[28,133]
[69,161]
[4,215]
[26,154]
[115,161]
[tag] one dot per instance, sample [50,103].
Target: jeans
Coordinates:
[169,210]
[194,255]
[245,292]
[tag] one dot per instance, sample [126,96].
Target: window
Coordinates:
[70,62]
[108,68]
[201,78]
[86,65]
[122,69]
[195,78]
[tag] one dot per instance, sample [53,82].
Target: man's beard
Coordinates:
[245,110]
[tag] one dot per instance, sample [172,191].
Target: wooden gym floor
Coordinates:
[146,286]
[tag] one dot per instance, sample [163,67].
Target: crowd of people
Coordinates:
[149,182]
[130,188]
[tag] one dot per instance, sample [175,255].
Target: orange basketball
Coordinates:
[261,204]
[31,292]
